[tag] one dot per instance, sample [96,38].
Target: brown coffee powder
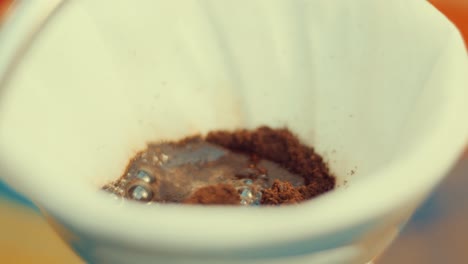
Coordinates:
[282,147]
[245,167]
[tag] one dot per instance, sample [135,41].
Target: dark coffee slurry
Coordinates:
[258,167]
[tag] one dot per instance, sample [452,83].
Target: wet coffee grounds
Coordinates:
[264,166]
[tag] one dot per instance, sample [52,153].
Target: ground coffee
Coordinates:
[245,167]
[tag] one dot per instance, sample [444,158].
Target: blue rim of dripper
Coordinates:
[10,195]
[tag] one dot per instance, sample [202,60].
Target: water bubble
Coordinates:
[140,192]
[246,193]
[249,196]
[145,176]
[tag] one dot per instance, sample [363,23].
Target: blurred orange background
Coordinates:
[26,238]
[456,11]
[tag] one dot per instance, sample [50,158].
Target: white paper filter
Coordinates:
[368,83]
